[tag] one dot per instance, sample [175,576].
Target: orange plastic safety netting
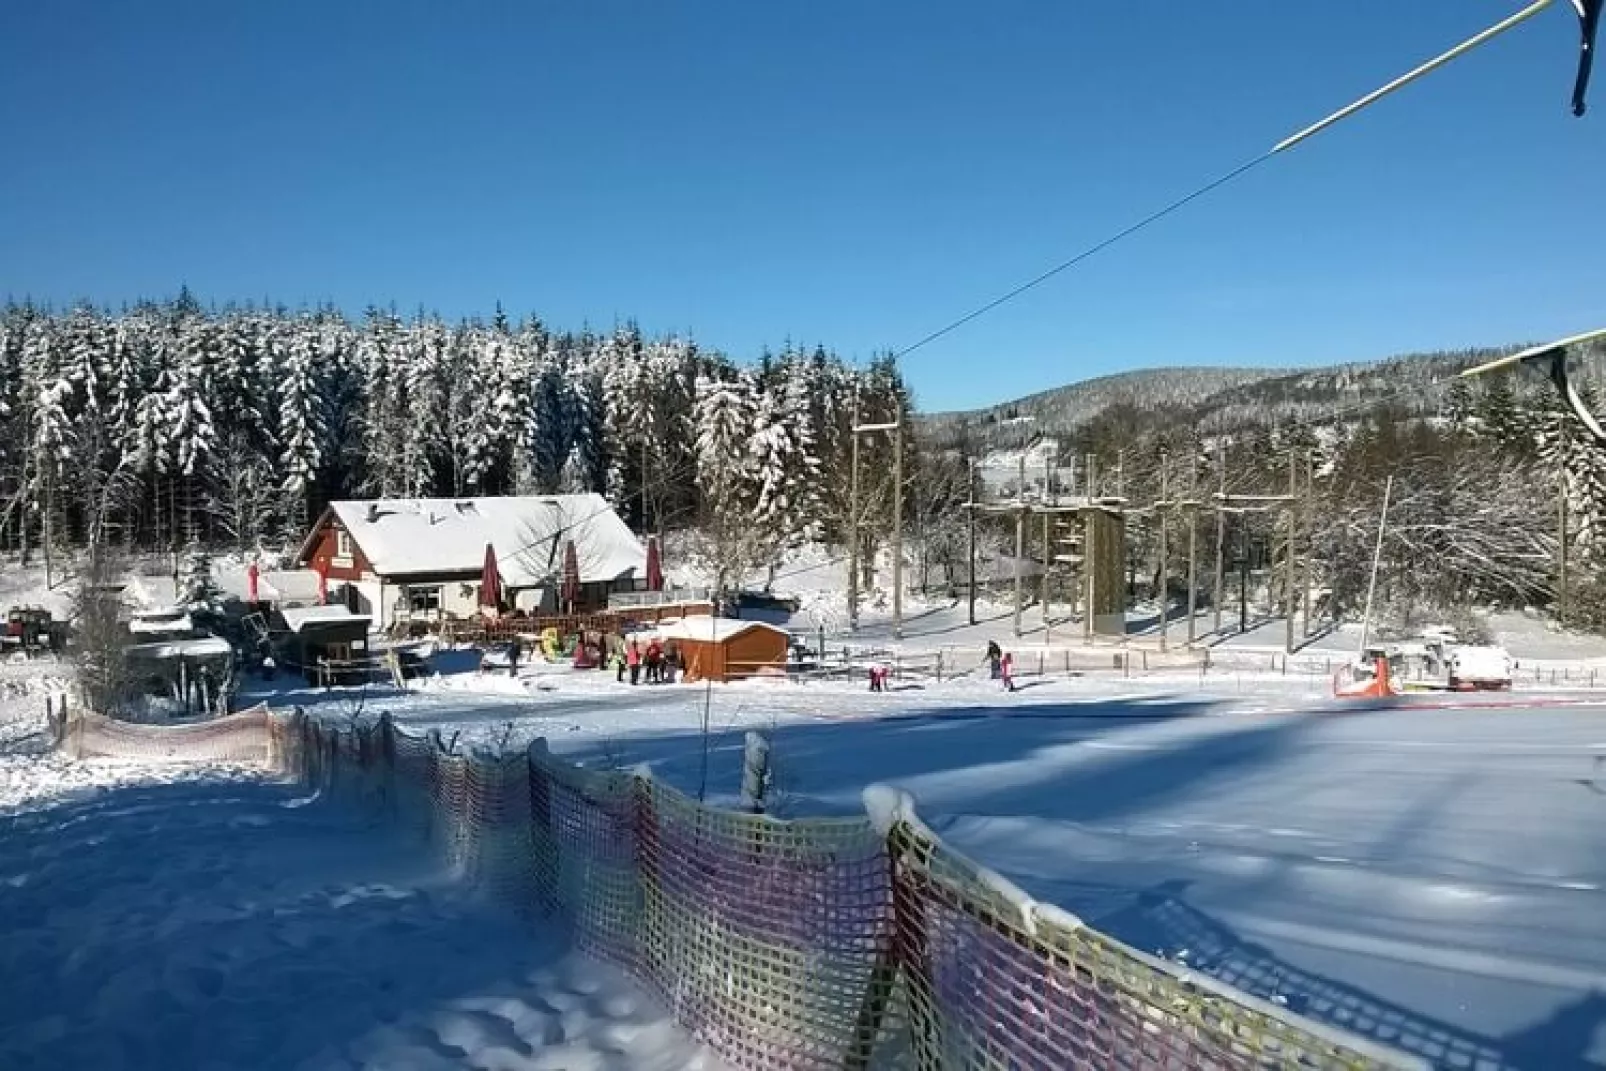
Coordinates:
[995,981]
[824,943]
[238,738]
[770,940]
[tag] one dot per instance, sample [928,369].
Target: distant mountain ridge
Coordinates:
[1215,398]
[1086,398]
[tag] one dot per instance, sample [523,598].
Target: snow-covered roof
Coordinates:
[273,585]
[711,629]
[157,621]
[408,537]
[298,618]
[288,585]
[200,647]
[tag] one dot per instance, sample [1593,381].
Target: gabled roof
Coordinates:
[411,537]
[711,629]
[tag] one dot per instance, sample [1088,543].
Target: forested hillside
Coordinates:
[1222,399]
[170,425]
[1485,474]
[1066,408]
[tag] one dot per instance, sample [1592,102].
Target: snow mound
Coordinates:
[219,923]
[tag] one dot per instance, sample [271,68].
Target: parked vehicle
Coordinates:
[32,631]
[1479,669]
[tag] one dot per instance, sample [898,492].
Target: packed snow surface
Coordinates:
[209,922]
[1432,875]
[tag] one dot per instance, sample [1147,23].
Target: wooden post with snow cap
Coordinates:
[1165,582]
[1020,540]
[887,809]
[1221,534]
[1308,532]
[1048,549]
[970,509]
[853,518]
[755,771]
[1290,597]
[897,530]
[1561,520]
[1193,542]
[1088,558]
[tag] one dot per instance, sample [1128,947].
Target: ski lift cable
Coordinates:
[1588,14]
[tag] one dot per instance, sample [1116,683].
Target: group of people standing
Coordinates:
[660,662]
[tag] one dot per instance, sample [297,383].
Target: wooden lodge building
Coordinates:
[401,560]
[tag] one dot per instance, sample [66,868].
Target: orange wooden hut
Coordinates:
[723,649]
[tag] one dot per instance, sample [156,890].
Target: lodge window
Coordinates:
[343,544]
[424,600]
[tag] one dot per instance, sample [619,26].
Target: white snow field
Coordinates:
[1432,876]
[158,918]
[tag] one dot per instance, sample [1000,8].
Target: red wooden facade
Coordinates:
[749,653]
[326,556]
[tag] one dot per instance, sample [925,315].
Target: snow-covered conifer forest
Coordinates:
[168,425]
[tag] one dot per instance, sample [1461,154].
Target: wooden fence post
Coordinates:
[755,771]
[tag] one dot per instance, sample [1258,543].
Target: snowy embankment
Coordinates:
[1432,876]
[157,916]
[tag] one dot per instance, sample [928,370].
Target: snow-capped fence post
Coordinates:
[755,771]
[939,665]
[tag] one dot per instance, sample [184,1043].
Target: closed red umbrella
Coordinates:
[655,567]
[252,573]
[571,575]
[490,581]
[323,588]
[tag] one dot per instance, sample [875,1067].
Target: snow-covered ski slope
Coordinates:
[156,923]
[1432,877]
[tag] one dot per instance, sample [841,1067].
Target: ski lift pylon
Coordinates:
[1553,356]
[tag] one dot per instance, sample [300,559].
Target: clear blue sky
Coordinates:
[848,172]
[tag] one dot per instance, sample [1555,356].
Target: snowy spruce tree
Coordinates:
[731,541]
[424,411]
[303,426]
[198,590]
[550,433]
[588,427]
[784,474]
[191,434]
